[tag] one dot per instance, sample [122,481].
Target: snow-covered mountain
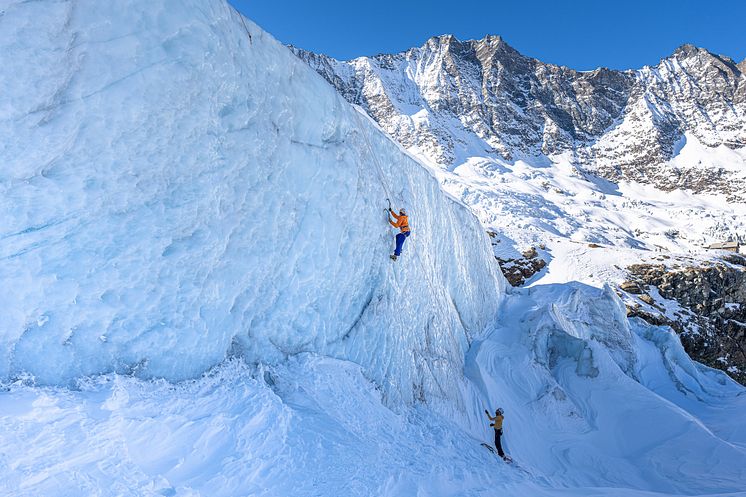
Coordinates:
[634,163]
[198,299]
[450,100]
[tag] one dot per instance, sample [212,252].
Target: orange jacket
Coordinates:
[402,222]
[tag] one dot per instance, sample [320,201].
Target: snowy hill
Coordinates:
[450,100]
[199,299]
[538,134]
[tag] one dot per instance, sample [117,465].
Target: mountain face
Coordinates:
[523,143]
[450,100]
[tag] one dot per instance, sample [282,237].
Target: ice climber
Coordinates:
[402,222]
[497,424]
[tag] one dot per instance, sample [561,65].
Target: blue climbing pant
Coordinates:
[400,237]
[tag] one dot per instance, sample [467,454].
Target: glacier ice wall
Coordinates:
[178,187]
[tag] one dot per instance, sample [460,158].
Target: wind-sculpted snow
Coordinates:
[576,424]
[178,187]
[600,318]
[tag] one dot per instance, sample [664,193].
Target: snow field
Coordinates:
[576,422]
[312,426]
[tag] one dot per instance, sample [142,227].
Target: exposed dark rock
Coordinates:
[631,287]
[713,328]
[517,271]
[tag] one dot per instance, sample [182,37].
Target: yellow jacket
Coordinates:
[497,421]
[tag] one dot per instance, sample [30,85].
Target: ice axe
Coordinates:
[388,216]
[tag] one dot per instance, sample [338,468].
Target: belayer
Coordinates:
[402,222]
[497,424]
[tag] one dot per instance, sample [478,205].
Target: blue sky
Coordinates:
[581,34]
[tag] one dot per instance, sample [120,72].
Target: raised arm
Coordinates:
[488,415]
[397,217]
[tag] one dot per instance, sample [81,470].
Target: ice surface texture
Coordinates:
[593,399]
[577,424]
[176,190]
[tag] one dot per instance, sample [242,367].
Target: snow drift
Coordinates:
[179,188]
[597,400]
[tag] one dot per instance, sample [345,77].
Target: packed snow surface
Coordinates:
[198,298]
[595,405]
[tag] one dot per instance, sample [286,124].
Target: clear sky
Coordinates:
[582,34]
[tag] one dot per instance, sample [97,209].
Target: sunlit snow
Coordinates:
[198,301]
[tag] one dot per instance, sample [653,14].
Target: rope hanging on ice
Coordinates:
[240,16]
[381,177]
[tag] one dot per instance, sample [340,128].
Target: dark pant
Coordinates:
[498,445]
[400,237]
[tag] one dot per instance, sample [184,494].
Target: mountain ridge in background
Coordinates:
[618,124]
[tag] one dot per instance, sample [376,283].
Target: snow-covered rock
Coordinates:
[449,100]
[177,187]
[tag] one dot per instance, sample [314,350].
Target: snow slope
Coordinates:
[162,210]
[602,401]
[591,410]
[178,191]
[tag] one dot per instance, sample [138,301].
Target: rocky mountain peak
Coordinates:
[492,40]
[688,50]
[620,125]
[693,55]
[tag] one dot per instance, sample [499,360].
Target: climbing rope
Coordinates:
[242,22]
[381,177]
[428,280]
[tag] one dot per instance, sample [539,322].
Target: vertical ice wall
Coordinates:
[176,186]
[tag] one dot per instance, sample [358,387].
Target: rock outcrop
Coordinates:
[517,271]
[709,311]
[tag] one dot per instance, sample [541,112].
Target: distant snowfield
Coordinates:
[183,199]
[541,201]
